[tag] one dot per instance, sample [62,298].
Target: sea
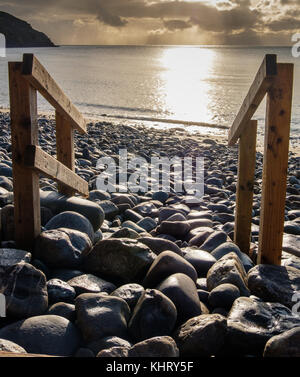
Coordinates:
[190,87]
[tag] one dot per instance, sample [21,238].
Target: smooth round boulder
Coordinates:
[25,290]
[9,257]
[62,247]
[286,344]
[108,342]
[71,220]
[181,289]
[120,260]
[156,347]
[129,293]
[214,240]
[154,315]
[8,346]
[88,283]
[201,336]
[60,203]
[63,309]
[223,296]
[46,334]
[168,263]
[99,315]
[158,245]
[201,260]
[60,291]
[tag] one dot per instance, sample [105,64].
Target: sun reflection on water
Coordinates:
[187,85]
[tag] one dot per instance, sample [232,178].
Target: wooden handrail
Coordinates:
[35,158]
[275,80]
[39,78]
[262,82]
[29,160]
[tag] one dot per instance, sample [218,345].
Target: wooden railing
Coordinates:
[25,79]
[275,80]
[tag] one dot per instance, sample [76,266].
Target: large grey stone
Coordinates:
[230,247]
[8,346]
[274,283]
[154,315]
[166,264]
[181,289]
[46,334]
[158,245]
[60,291]
[62,247]
[201,336]
[252,322]
[131,293]
[119,260]
[156,347]
[25,290]
[201,260]
[99,315]
[228,269]
[88,283]
[71,220]
[9,257]
[286,344]
[60,203]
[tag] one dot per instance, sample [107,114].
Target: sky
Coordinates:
[139,22]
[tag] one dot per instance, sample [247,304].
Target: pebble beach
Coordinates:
[146,274]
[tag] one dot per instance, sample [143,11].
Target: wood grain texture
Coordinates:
[42,162]
[277,131]
[245,184]
[24,131]
[65,149]
[262,82]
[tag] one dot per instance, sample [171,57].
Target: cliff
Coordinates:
[19,33]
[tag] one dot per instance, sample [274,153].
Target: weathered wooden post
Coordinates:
[245,184]
[24,131]
[277,132]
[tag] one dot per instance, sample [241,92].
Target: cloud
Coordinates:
[160,21]
[176,25]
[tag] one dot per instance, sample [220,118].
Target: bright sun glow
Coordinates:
[182,75]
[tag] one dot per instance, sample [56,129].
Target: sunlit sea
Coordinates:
[141,84]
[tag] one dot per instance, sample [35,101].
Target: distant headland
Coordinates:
[19,33]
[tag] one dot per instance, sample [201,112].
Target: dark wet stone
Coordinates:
[114,352]
[109,208]
[223,296]
[201,336]
[63,309]
[177,229]
[125,233]
[274,283]
[252,322]
[228,269]
[8,346]
[158,245]
[25,289]
[59,203]
[71,220]
[62,247]
[228,247]
[154,315]
[88,283]
[108,342]
[60,291]
[182,290]
[129,293]
[166,264]
[161,196]
[119,260]
[99,315]
[198,236]
[286,344]
[65,274]
[9,257]
[156,347]
[62,337]
[147,224]
[201,260]
[214,240]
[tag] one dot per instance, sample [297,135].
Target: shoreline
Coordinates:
[119,120]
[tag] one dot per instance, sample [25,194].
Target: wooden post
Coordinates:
[65,149]
[245,184]
[24,131]
[277,131]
